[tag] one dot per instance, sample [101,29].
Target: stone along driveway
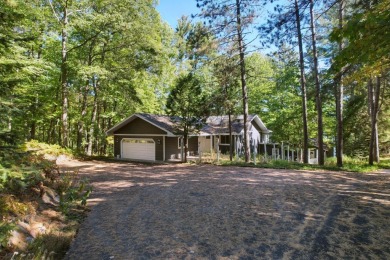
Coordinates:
[207,212]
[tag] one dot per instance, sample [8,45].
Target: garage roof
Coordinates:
[214,124]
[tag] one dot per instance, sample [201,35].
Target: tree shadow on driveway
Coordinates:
[208,212]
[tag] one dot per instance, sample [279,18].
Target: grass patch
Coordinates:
[51,246]
[349,164]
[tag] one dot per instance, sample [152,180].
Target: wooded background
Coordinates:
[70,70]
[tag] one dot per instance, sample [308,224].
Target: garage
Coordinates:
[139,149]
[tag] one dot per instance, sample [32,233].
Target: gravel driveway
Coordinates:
[144,211]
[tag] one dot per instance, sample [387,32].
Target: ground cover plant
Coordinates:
[40,206]
[351,164]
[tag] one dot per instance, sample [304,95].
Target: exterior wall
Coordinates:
[264,138]
[139,126]
[157,139]
[172,150]
[204,144]
[193,145]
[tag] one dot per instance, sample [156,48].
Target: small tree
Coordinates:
[188,102]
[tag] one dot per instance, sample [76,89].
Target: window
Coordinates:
[225,139]
[179,142]
[138,141]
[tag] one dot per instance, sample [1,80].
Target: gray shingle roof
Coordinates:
[166,123]
[220,124]
[214,124]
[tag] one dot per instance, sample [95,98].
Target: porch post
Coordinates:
[211,144]
[273,153]
[199,152]
[218,147]
[181,148]
[164,148]
[288,153]
[235,143]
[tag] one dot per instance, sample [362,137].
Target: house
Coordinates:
[155,138]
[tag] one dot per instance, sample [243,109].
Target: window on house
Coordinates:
[138,141]
[312,154]
[224,139]
[179,142]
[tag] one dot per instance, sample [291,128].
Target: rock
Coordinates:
[33,228]
[50,197]
[62,158]
[50,157]
[17,240]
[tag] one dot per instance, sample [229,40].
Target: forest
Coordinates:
[70,70]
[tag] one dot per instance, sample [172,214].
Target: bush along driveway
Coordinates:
[208,212]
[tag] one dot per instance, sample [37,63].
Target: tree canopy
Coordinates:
[70,70]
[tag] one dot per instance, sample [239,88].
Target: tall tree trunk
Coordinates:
[64,77]
[340,97]
[303,86]
[320,131]
[80,124]
[185,141]
[373,96]
[104,140]
[375,117]
[93,118]
[35,105]
[243,82]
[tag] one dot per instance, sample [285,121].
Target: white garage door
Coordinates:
[139,149]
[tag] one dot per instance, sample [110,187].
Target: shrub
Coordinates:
[43,148]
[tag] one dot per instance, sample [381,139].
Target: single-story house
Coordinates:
[155,138]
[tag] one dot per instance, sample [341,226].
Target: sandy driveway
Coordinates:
[208,212]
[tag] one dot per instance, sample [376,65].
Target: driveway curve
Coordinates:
[174,211]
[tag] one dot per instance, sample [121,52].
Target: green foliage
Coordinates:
[368,26]
[19,171]
[5,230]
[72,190]
[188,102]
[25,176]
[119,57]
[350,164]
[40,148]
[50,246]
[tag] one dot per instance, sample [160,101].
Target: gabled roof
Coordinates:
[220,124]
[165,123]
[214,124]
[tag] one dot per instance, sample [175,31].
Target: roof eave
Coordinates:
[131,118]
